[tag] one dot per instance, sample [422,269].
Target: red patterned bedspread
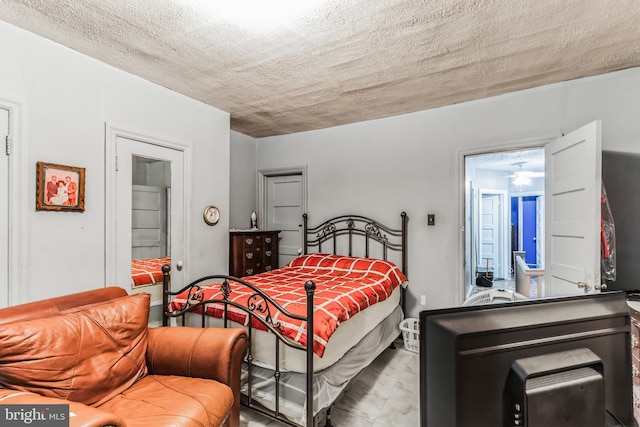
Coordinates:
[147,271]
[344,287]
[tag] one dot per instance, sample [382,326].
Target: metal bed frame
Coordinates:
[258,308]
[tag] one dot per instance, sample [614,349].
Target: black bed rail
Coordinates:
[258,309]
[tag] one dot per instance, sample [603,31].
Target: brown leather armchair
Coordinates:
[94,351]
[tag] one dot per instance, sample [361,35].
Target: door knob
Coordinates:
[179,265]
[584,286]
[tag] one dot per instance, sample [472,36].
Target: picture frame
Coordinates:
[59,187]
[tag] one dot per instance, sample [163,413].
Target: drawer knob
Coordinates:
[267,239]
[268,268]
[267,253]
[249,255]
[249,241]
[249,271]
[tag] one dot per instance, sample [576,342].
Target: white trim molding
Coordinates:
[112,133]
[460,185]
[264,174]
[17,194]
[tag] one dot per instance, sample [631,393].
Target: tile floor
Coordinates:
[387,393]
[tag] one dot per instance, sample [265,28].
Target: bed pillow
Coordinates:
[346,264]
[87,354]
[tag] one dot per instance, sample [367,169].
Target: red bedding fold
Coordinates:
[147,271]
[344,287]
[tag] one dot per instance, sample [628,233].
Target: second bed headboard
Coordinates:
[361,228]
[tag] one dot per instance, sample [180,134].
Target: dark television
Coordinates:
[621,177]
[537,363]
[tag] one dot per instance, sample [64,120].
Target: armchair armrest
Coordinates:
[79,415]
[213,353]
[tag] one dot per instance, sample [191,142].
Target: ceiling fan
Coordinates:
[523,177]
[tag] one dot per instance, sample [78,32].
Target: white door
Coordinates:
[489,233]
[492,235]
[540,231]
[129,153]
[284,213]
[573,170]
[4,210]
[149,214]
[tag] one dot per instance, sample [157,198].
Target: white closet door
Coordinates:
[573,169]
[4,210]
[126,150]
[284,213]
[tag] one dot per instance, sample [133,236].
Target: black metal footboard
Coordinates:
[259,309]
[346,234]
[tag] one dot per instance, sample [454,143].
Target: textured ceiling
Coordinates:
[342,61]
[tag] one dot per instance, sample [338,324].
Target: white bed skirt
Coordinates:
[329,383]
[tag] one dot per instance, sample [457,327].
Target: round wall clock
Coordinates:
[211,215]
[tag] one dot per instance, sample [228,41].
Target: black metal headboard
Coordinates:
[373,232]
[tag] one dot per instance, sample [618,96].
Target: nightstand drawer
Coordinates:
[252,241]
[252,252]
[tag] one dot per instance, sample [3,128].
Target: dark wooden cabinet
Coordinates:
[252,252]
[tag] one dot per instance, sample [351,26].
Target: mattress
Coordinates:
[292,359]
[345,286]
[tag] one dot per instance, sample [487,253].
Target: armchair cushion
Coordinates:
[87,355]
[169,400]
[80,415]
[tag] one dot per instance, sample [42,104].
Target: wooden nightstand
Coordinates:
[252,252]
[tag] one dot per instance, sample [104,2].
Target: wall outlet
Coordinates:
[423,300]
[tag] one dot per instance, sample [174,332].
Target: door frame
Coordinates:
[16,193]
[112,133]
[460,184]
[503,237]
[265,174]
[539,206]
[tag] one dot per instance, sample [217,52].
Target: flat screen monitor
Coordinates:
[537,363]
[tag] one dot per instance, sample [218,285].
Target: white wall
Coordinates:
[67,99]
[243,180]
[414,163]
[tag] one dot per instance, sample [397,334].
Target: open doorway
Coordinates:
[504,213]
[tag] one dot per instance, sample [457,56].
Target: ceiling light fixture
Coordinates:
[522,179]
[259,14]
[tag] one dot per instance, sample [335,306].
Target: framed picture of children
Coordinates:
[59,187]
